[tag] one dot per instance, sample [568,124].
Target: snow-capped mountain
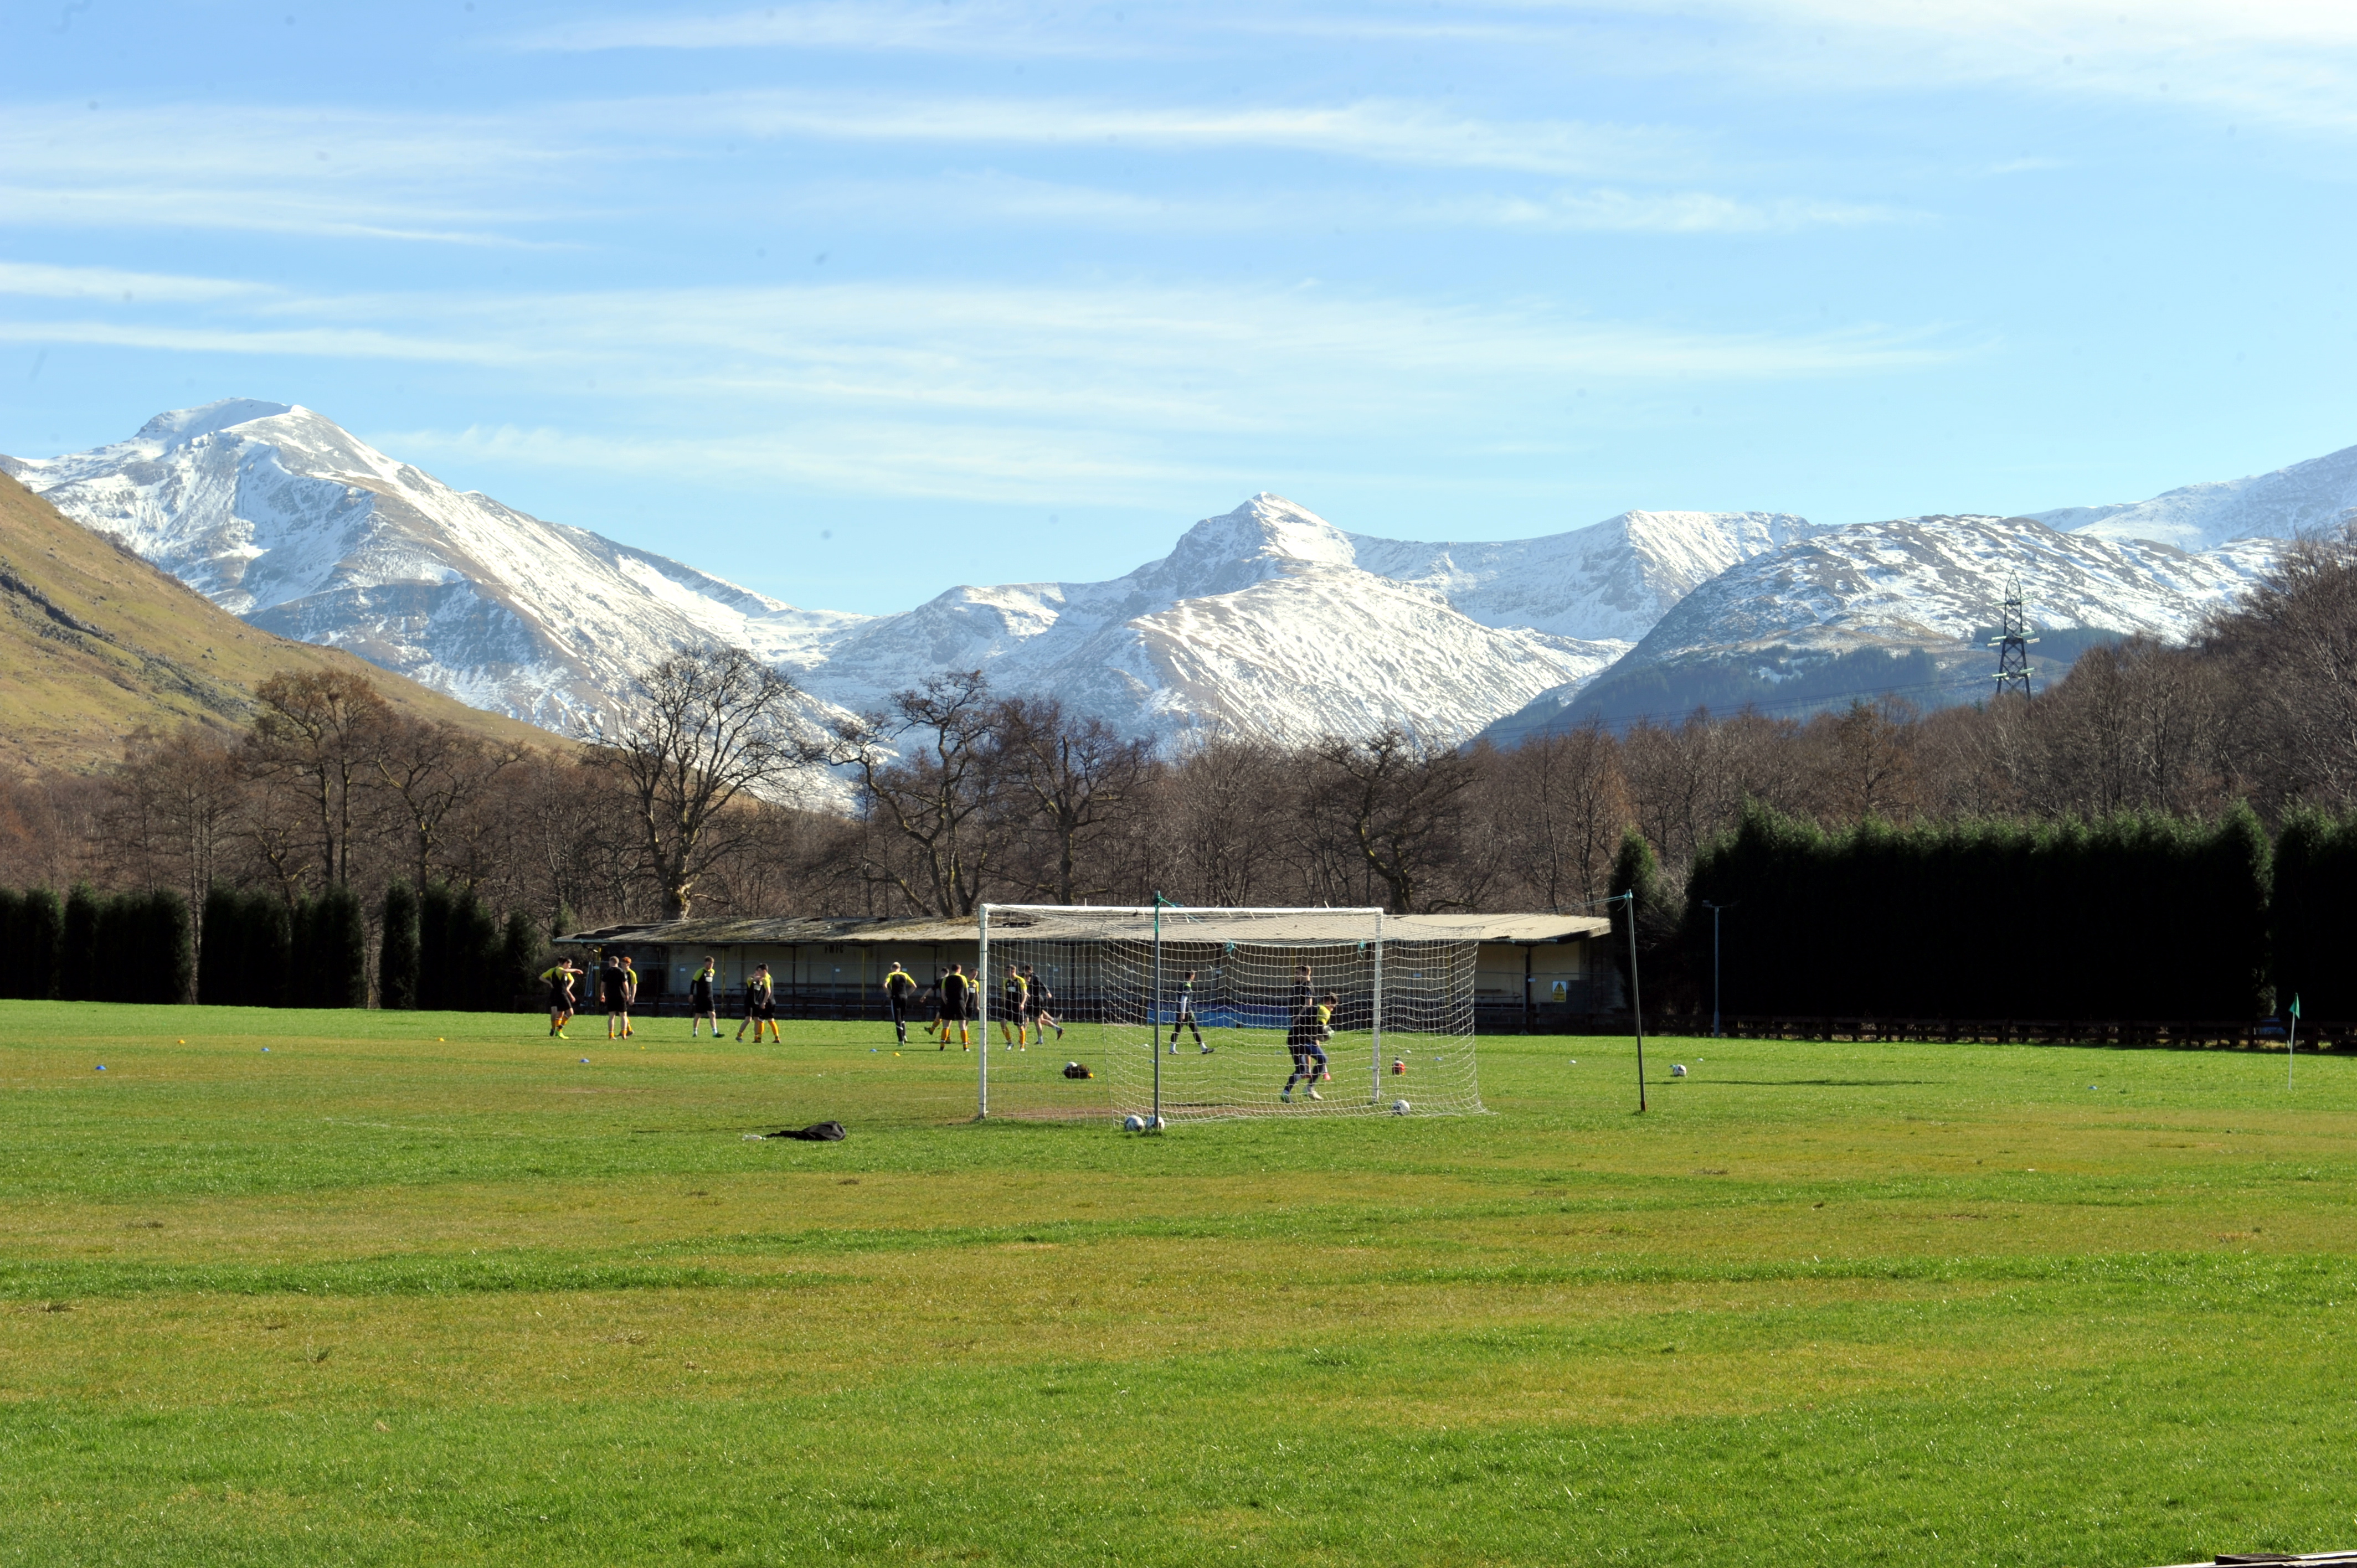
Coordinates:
[1928,587]
[2315,496]
[1267,619]
[1613,579]
[1939,580]
[294,524]
[1261,621]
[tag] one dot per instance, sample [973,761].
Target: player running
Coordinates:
[1042,1001]
[957,1006]
[1185,1018]
[760,1004]
[559,981]
[900,988]
[1312,1028]
[704,998]
[1017,991]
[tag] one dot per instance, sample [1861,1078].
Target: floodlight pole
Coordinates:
[1636,997]
[1715,909]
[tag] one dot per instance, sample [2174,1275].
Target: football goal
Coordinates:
[1189,1013]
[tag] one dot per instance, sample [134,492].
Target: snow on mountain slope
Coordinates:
[1925,581]
[1258,622]
[2316,496]
[296,525]
[1267,619]
[1613,579]
[1927,586]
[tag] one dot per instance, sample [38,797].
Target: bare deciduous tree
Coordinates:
[322,728]
[709,723]
[1076,772]
[939,799]
[1402,804]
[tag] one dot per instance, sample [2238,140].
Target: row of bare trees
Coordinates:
[717,798]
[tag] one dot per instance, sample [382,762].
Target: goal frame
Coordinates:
[983,986]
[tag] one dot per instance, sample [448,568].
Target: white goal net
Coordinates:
[1193,1014]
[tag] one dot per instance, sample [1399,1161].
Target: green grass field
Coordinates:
[429,1288]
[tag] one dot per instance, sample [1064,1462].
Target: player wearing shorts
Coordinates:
[900,989]
[613,993]
[1041,1000]
[760,1004]
[1185,1018]
[559,981]
[1018,994]
[957,1006]
[704,998]
[629,995]
[1312,1028]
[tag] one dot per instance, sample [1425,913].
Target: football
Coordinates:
[1399,1107]
[1133,1124]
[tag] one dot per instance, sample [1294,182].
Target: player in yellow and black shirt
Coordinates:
[957,1006]
[1312,1028]
[900,988]
[559,981]
[760,1004]
[1017,991]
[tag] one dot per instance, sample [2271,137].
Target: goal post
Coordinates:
[1183,1013]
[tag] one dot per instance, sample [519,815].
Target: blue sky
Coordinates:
[855,302]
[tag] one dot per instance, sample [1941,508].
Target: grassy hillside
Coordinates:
[95,642]
[410,1287]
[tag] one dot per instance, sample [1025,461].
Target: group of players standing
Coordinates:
[957,1001]
[616,987]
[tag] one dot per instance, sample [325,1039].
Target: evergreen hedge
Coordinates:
[396,963]
[2312,918]
[29,927]
[2132,917]
[78,956]
[460,956]
[330,961]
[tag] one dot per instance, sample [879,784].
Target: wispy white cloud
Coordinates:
[2286,62]
[331,172]
[995,197]
[39,281]
[993,392]
[965,29]
[1393,131]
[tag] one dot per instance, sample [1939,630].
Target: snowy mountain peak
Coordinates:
[184,425]
[281,516]
[1267,536]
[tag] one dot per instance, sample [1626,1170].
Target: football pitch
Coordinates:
[421,1288]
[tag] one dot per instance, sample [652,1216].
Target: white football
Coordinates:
[1133,1124]
[1679,1070]
[1157,1123]
[1399,1107]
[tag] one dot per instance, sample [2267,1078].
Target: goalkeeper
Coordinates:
[1184,1018]
[1312,1028]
